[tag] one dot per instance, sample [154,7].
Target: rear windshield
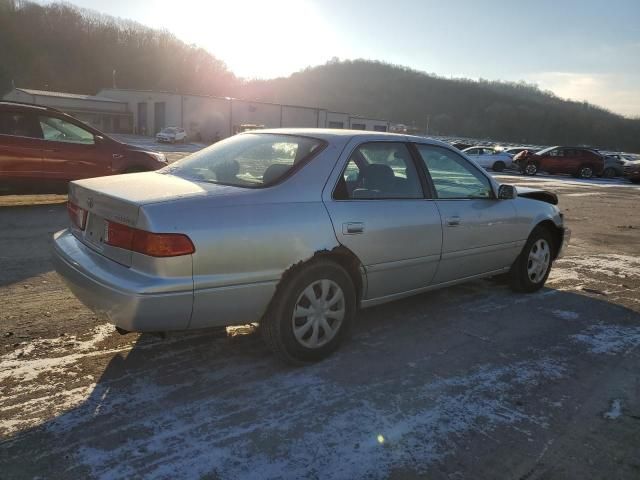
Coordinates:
[249,160]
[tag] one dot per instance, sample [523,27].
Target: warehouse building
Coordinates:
[209,118]
[105,114]
[205,118]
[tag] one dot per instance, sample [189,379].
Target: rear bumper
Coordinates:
[127,298]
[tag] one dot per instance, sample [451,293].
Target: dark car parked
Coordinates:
[613,165]
[632,171]
[42,149]
[577,161]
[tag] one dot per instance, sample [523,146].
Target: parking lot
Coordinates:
[472,381]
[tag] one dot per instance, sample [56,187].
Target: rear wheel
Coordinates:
[498,166]
[311,314]
[530,169]
[585,172]
[530,270]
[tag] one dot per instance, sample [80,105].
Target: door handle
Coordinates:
[352,228]
[117,156]
[453,221]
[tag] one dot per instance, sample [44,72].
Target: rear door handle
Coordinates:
[453,221]
[352,228]
[117,156]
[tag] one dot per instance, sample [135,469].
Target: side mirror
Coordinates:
[507,192]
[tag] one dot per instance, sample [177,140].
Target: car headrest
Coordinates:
[274,172]
[378,176]
[227,171]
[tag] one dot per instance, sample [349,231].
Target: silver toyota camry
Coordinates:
[297,229]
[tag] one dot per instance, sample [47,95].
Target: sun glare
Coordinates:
[255,38]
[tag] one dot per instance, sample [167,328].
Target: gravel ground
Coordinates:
[472,381]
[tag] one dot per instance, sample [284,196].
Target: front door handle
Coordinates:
[117,156]
[453,221]
[351,228]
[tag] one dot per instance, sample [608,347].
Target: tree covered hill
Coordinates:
[64,48]
[516,112]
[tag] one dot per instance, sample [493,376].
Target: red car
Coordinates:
[577,161]
[42,149]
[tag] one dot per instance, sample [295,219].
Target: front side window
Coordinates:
[58,130]
[249,160]
[453,176]
[379,171]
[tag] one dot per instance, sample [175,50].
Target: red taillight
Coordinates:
[148,243]
[78,215]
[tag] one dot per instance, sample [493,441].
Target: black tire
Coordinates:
[609,172]
[585,171]
[277,326]
[530,169]
[520,279]
[498,166]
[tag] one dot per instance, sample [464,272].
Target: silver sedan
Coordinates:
[297,229]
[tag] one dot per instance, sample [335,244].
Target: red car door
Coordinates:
[72,151]
[20,149]
[571,161]
[550,161]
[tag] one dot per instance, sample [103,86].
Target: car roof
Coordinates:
[24,106]
[29,107]
[328,134]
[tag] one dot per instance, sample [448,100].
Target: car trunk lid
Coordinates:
[119,199]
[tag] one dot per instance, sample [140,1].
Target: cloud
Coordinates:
[618,93]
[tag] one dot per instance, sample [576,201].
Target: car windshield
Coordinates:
[248,160]
[169,130]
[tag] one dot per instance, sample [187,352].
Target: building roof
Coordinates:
[75,96]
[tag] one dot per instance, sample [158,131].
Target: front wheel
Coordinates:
[530,169]
[609,172]
[311,314]
[530,270]
[585,172]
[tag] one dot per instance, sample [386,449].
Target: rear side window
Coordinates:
[379,170]
[249,160]
[19,124]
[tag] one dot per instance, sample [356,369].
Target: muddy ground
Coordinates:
[469,382]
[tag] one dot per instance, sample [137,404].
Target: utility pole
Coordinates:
[428,121]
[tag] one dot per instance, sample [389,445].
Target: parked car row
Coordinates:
[581,162]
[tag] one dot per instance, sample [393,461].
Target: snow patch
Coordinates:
[566,314]
[615,411]
[609,339]
[16,366]
[295,424]
[611,265]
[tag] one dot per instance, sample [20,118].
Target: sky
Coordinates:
[579,49]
